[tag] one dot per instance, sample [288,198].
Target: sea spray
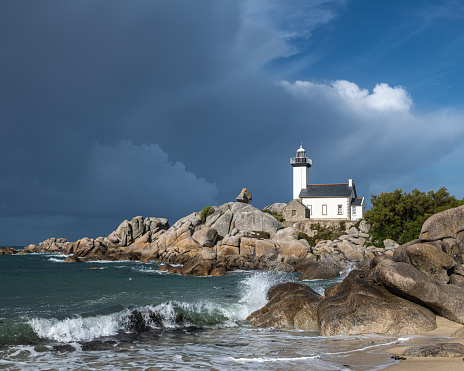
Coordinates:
[168,315]
[254,290]
[37,288]
[77,329]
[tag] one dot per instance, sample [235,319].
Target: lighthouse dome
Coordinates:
[301,149]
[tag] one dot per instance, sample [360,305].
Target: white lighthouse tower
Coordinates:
[301,165]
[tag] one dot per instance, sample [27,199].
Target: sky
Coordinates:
[111,109]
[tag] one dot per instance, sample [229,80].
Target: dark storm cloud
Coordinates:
[113,109]
[74,74]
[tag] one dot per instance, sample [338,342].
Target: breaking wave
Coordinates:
[170,315]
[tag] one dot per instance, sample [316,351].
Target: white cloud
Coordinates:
[382,98]
[385,142]
[295,19]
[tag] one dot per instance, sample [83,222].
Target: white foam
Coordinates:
[376,345]
[75,329]
[56,260]
[348,268]
[254,291]
[273,359]
[145,269]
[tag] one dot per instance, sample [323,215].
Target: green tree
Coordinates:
[399,215]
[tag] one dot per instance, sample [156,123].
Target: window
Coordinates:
[293,212]
[324,209]
[340,209]
[353,210]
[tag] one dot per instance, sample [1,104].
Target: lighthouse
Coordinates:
[301,165]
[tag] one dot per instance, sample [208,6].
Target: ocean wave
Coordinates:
[169,315]
[254,290]
[147,269]
[77,329]
[166,316]
[57,260]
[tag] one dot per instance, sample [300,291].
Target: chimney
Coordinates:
[350,182]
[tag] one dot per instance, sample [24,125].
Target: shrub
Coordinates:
[342,225]
[205,212]
[304,236]
[399,215]
[323,233]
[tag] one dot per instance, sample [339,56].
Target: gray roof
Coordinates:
[357,202]
[327,190]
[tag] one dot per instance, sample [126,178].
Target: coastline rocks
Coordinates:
[427,258]
[319,270]
[459,333]
[244,196]
[128,232]
[277,207]
[291,305]
[446,224]
[390,244]
[49,245]
[6,250]
[406,281]
[436,350]
[283,234]
[206,237]
[72,259]
[249,219]
[364,227]
[360,307]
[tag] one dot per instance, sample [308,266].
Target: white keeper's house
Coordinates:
[321,201]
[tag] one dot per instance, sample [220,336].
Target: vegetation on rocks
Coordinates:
[260,235]
[324,233]
[278,216]
[399,215]
[205,212]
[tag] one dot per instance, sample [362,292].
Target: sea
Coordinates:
[130,316]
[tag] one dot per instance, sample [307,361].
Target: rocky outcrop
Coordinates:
[357,306]
[399,292]
[250,219]
[436,350]
[72,259]
[6,250]
[291,305]
[276,208]
[406,281]
[206,237]
[235,235]
[244,196]
[51,245]
[447,224]
[360,306]
[320,270]
[232,236]
[427,258]
[128,232]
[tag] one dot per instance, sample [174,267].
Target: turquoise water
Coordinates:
[128,315]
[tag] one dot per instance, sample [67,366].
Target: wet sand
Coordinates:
[445,328]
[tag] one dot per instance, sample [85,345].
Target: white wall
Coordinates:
[360,210]
[358,214]
[300,179]
[332,207]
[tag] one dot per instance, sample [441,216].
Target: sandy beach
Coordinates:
[445,328]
